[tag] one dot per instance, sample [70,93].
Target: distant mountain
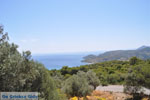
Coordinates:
[142,52]
[142,47]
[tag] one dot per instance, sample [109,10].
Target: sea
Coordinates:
[57,61]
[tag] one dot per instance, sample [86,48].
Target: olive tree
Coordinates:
[92,79]
[77,85]
[18,72]
[81,84]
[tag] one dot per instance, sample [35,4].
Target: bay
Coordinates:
[57,61]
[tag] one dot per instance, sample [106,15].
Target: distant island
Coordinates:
[142,52]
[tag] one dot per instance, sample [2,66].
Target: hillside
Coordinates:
[142,53]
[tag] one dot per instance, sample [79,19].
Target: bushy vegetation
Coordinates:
[138,76]
[81,84]
[112,72]
[134,74]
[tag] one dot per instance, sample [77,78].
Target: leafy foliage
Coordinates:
[138,77]
[112,72]
[133,74]
[77,85]
[18,72]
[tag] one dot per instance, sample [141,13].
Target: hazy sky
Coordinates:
[51,26]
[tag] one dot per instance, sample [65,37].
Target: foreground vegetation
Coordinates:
[18,72]
[133,74]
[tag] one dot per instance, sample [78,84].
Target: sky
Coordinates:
[61,26]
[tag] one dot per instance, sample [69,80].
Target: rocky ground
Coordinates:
[118,88]
[112,92]
[105,95]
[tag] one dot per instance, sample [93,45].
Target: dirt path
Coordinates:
[117,88]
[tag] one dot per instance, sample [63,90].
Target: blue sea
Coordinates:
[57,61]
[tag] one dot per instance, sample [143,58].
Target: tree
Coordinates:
[65,70]
[58,79]
[81,84]
[77,85]
[134,60]
[46,86]
[137,78]
[92,79]
[18,72]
